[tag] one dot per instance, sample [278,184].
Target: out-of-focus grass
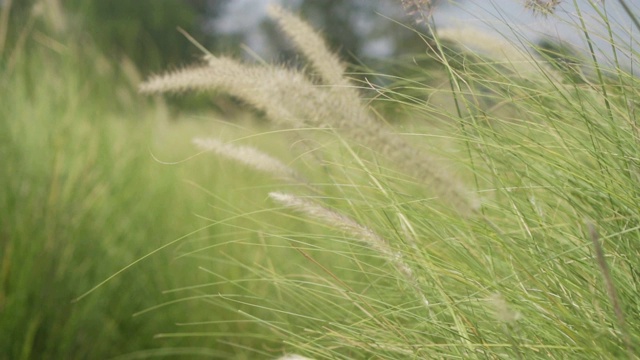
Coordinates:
[84,192]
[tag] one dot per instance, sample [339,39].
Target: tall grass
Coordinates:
[81,196]
[497,218]
[384,250]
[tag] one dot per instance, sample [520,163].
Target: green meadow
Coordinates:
[481,204]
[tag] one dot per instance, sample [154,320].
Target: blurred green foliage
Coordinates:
[144,30]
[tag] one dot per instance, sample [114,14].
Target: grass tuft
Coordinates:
[340,234]
[545,132]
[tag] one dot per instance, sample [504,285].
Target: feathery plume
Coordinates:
[542,7]
[360,233]
[502,310]
[312,45]
[288,96]
[420,9]
[249,156]
[479,41]
[264,87]
[293,357]
[344,223]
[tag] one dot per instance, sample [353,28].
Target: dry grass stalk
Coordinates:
[611,289]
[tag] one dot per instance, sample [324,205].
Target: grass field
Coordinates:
[497,217]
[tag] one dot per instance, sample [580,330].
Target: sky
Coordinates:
[490,15]
[508,18]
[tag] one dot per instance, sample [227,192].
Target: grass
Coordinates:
[503,224]
[82,196]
